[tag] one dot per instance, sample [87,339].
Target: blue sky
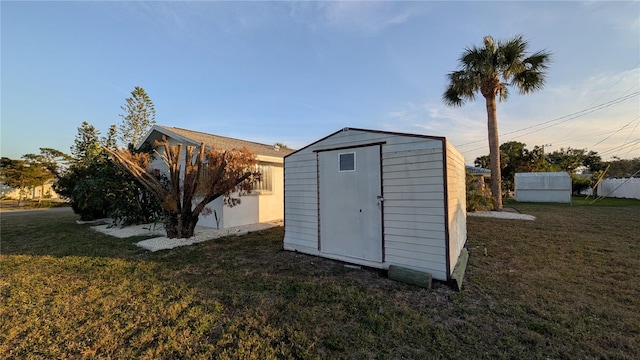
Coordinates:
[294,72]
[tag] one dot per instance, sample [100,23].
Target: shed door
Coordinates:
[350,207]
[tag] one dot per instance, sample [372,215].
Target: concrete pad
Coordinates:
[502,215]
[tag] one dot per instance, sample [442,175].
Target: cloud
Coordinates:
[459,125]
[361,17]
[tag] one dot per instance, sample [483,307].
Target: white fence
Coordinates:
[620,188]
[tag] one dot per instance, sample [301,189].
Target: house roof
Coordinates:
[477,170]
[216,141]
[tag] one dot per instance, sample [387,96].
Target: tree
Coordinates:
[569,159]
[86,145]
[56,161]
[623,167]
[207,176]
[539,161]
[139,115]
[97,188]
[593,161]
[110,140]
[490,70]
[29,172]
[16,174]
[514,157]
[478,197]
[38,171]
[483,162]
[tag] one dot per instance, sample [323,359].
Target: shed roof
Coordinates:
[542,174]
[217,141]
[391,133]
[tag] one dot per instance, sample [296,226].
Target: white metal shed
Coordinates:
[378,198]
[543,187]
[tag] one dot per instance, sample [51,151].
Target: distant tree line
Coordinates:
[28,172]
[94,186]
[515,157]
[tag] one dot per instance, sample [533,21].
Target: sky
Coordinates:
[295,72]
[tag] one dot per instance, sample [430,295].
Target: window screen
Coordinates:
[347,162]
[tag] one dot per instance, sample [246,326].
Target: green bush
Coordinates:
[99,189]
[579,183]
[478,195]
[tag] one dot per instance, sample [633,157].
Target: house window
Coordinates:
[347,162]
[266,180]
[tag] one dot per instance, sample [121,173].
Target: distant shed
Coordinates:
[378,198]
[543,187]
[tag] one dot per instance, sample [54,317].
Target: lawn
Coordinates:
[563,286]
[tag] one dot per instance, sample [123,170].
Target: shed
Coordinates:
[543,187]
[263,204]
[378,198]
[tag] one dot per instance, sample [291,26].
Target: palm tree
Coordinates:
[490,70]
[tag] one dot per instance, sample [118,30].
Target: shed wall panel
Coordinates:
[390,174]
[543,187]
[417,225]
[417,233]
[422,182]
[414,218]
[457,204]
[424,254]
[307,208]
[437,270]
[399,158]
[412,196]
[411,171]
[407,209]
[408,242]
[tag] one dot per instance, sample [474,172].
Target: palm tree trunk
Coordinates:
[494,152]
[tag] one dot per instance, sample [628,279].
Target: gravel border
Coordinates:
[502,215]
[162,242]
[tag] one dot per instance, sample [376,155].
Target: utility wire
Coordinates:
[621,147]
[617,81]
[563,118]
[617,131]
[579,112]
[566,118]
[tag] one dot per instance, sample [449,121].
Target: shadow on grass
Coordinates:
[562,286]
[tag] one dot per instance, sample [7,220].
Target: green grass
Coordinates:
[587,201]
[563,286]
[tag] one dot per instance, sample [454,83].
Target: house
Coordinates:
[263,204]
[479,172]
[482,175]
[378,198]
[44,191]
